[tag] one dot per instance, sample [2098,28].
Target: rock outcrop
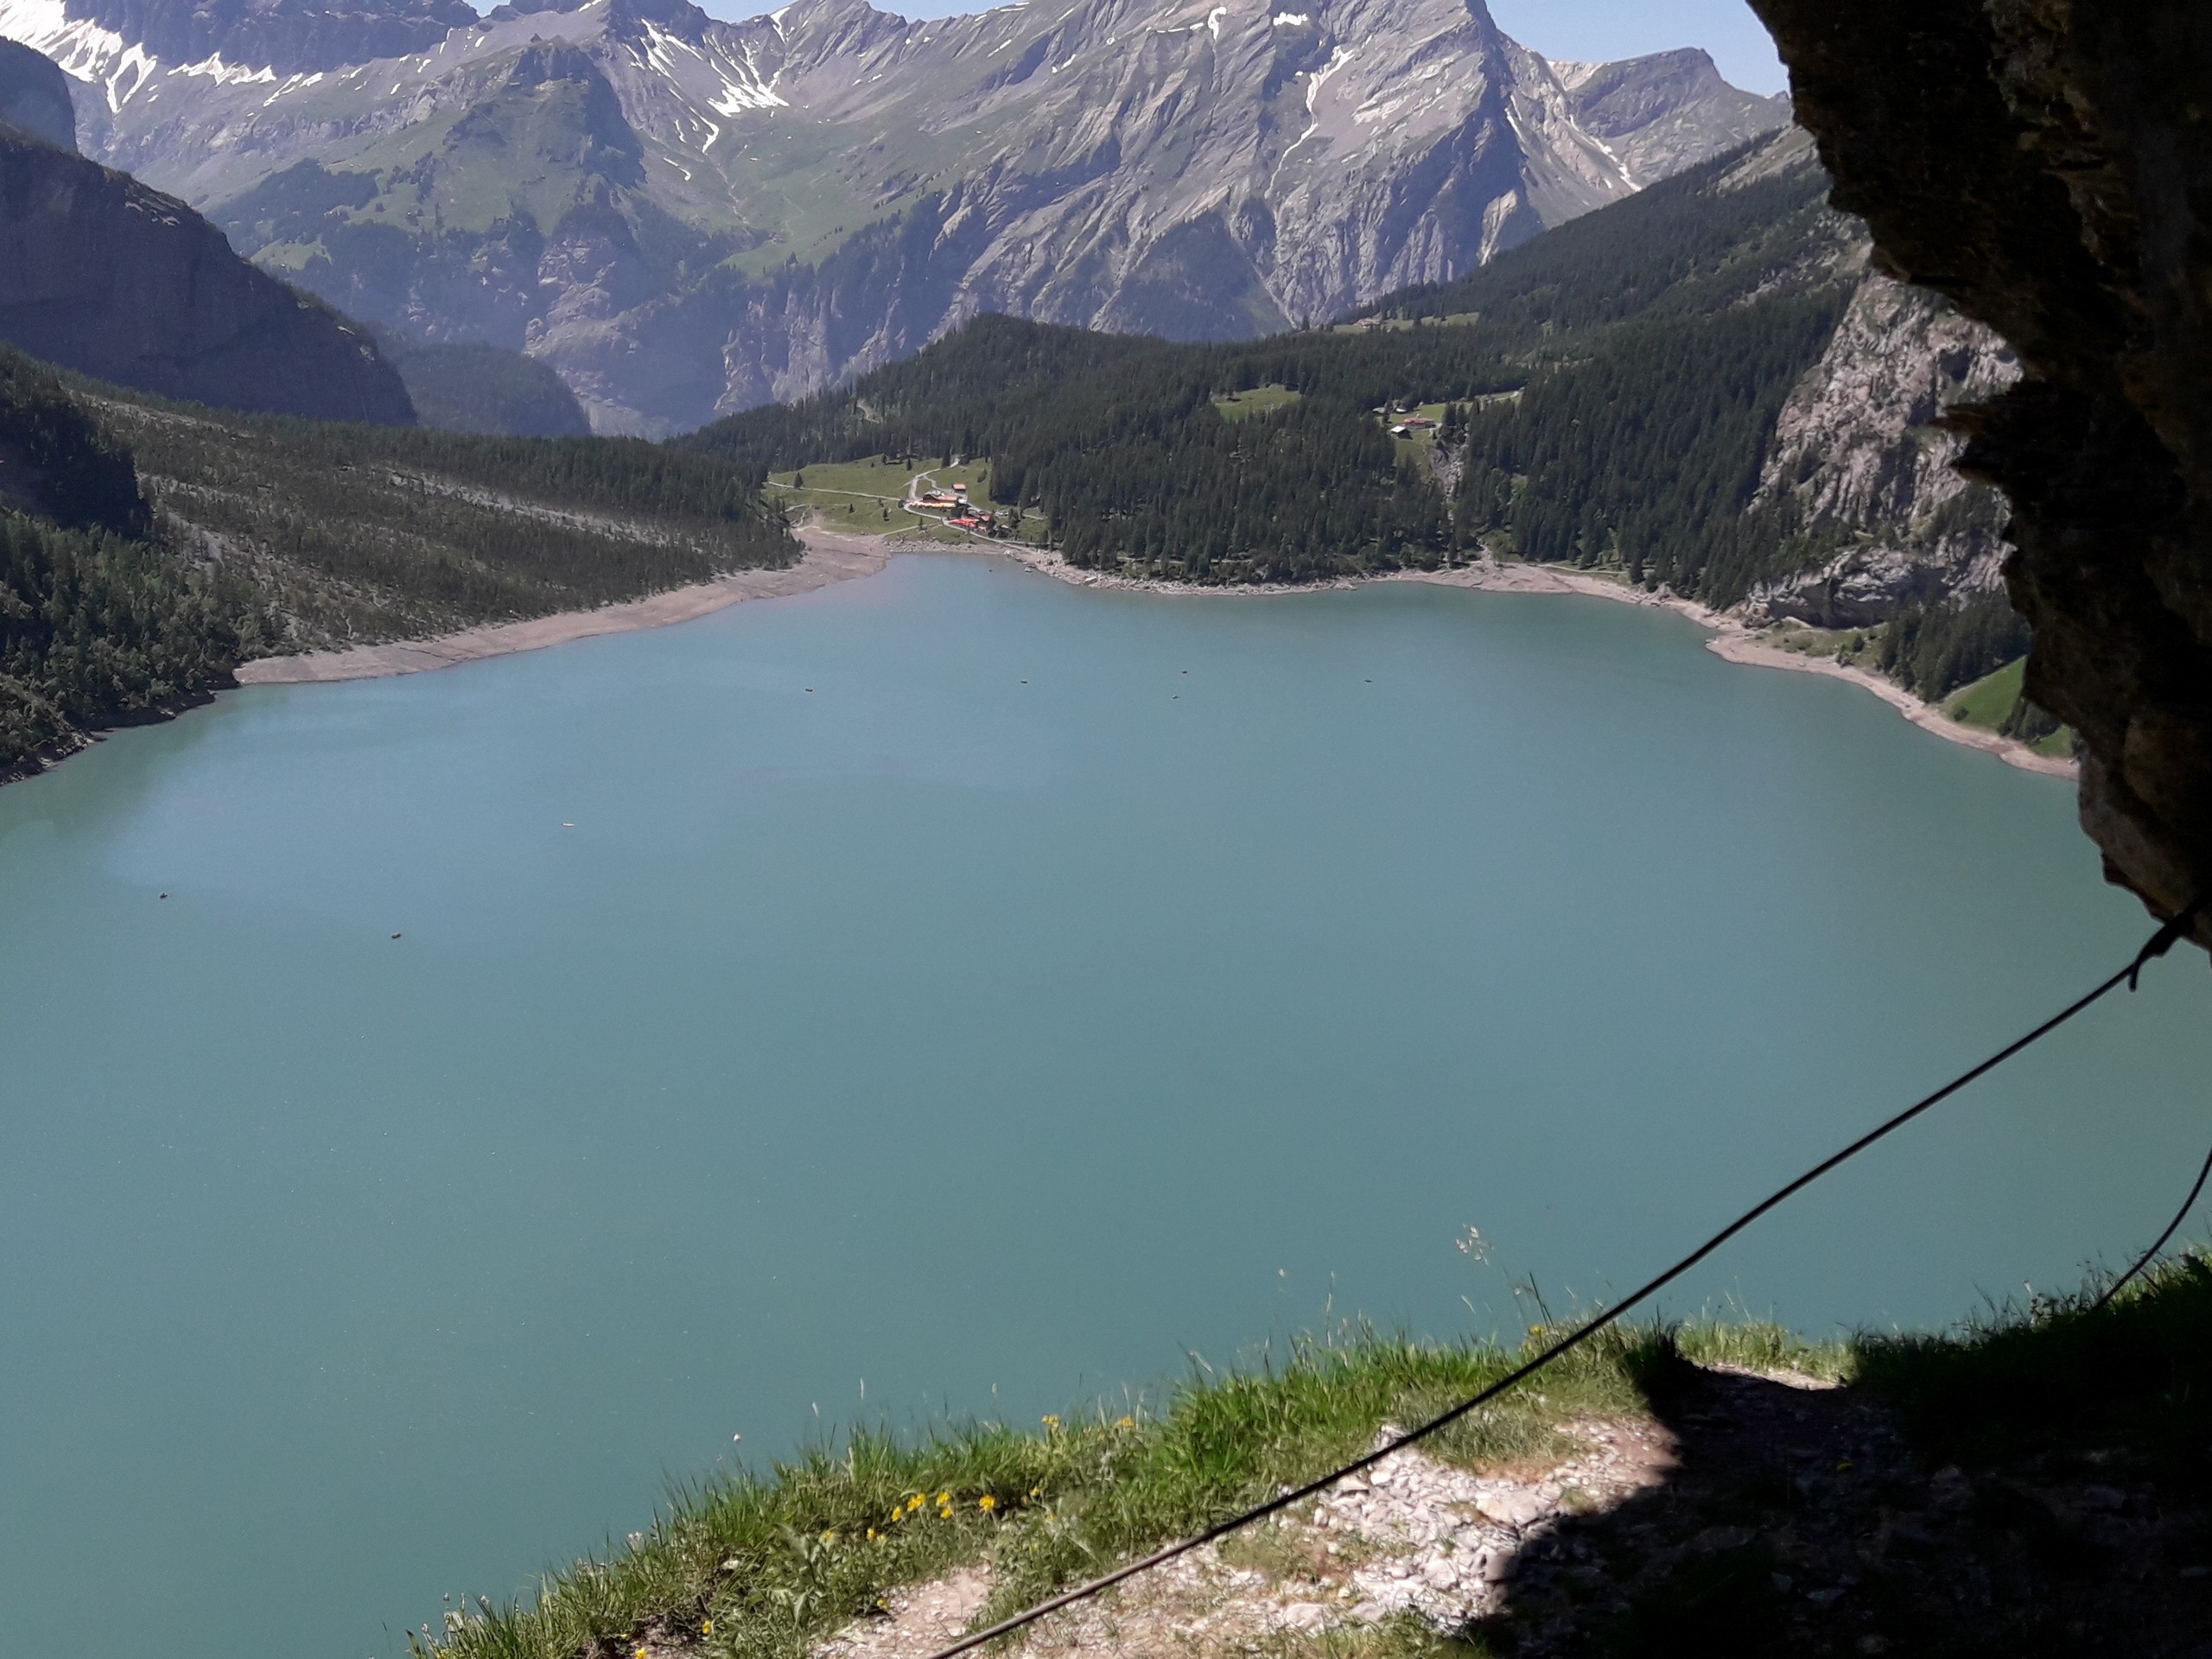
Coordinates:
[1860,452]
[685,216]
[2045,165]
[34,97]
[100,274]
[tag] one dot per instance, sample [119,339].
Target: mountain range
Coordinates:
[685,217]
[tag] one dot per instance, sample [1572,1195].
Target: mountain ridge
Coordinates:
[685,217]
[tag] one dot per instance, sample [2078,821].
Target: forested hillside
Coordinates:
[1700,388]
[97,625]
[1610,389]
[148,548]
[476,387]
[1661,389]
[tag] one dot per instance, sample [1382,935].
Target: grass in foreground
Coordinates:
[2063,1375]
[757,1566]
[768,1565]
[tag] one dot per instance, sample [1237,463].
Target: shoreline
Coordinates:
[840,555]
[829,557]
[1732,641]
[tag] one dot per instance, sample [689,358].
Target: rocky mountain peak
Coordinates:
[641,20]
[1662,113]
[513,9]
[544,60]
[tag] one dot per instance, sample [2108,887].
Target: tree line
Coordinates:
[1611,388]
[1613,384]
[148,548]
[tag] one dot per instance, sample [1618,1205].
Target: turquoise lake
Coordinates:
[981,990]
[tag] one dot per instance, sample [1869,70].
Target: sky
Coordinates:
[1601,29]
[1604,29]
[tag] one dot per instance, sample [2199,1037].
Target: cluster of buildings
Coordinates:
[955,505]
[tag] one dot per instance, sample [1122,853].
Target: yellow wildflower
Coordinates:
[707,1628]
[987,1502]
[871,1534]
[1051,1422]
[1125,1422]
[829,1537]
[944,1497]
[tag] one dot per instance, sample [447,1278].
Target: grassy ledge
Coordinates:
[773,1564]
[762,1565]
[1991,701]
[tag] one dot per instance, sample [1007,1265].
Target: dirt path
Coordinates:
[830,556]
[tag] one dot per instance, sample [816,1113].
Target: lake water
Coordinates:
[982,991]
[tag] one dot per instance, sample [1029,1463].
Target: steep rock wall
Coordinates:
[2048,167]
[101,275]
[1859,449]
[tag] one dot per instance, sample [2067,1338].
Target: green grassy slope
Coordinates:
[1997,702]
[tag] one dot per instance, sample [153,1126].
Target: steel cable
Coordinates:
[2156,946]
[2203,1172]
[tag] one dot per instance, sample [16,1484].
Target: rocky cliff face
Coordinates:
[1860,452]
[2044,165]
[35,97]
[685,217]
[102,275]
